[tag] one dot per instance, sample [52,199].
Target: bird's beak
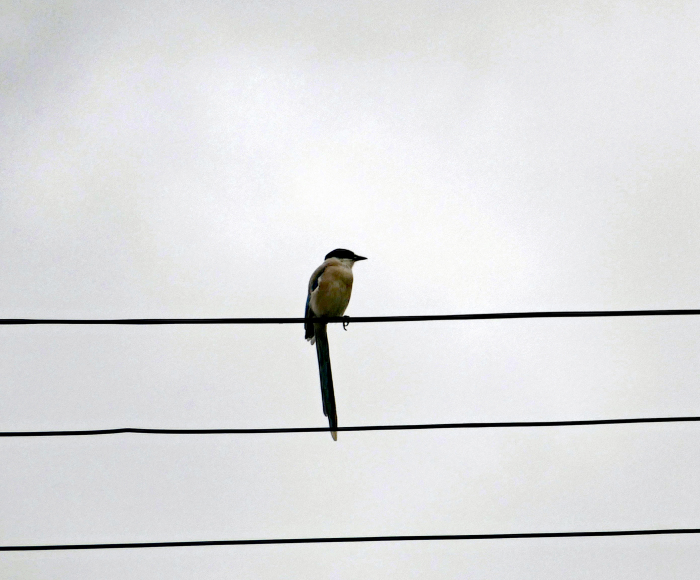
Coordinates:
[358,258]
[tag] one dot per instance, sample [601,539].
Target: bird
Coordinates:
[330,287]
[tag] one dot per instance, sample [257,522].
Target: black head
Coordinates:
[344,255]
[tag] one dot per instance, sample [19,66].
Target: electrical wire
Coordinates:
[425,426]
[347,320]
[354,319]
[349,539]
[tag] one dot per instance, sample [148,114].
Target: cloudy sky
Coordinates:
[198,159]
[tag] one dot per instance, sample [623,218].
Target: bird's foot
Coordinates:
[346,321]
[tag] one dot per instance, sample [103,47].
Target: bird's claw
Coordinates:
[346,321]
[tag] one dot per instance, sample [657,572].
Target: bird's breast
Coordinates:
[332,295]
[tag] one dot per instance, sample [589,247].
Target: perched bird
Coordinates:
[329,293]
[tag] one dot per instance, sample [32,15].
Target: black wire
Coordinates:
[355,319]
[506,315]
[349,540]
[355,428]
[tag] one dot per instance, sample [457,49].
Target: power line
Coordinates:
[503,424]
[349,539]
[355,319]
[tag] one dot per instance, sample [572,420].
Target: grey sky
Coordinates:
[183,159]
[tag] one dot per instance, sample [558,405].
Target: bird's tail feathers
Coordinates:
[324,369]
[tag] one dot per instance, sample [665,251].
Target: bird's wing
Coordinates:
[308,313]
[318,272]
[308,327]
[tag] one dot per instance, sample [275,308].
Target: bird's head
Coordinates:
[345,256]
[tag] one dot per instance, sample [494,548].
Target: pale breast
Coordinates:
[332,296]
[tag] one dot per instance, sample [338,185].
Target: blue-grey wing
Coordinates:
[313,284]
[308,327]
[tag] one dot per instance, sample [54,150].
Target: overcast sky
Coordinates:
[198,159]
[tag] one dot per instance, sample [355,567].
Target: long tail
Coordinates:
[324,370]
